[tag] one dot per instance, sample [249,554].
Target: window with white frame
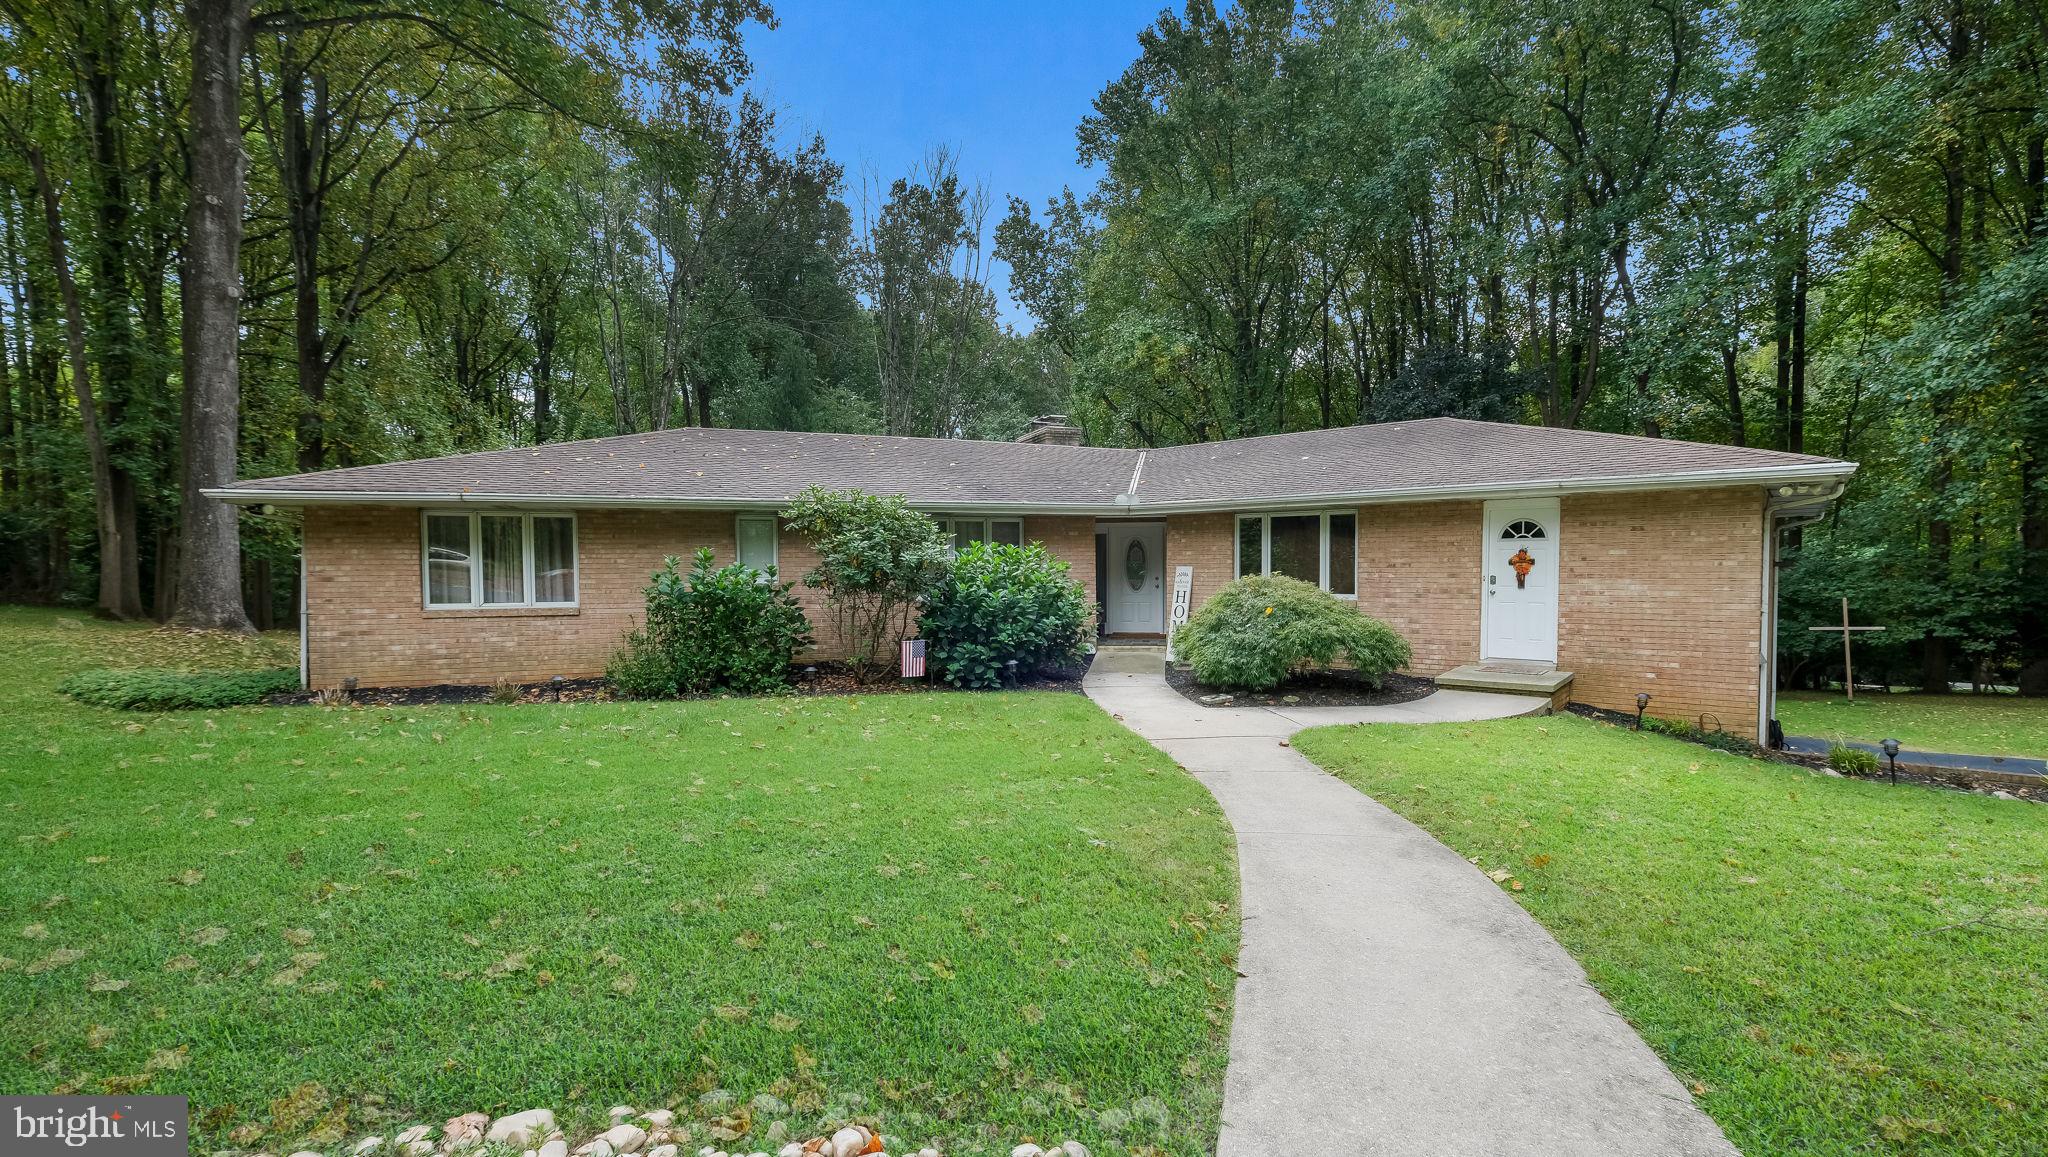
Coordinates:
[476,559]
[756,537]
[966,530]
[1320,547]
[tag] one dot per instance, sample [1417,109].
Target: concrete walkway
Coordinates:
[1394,1000]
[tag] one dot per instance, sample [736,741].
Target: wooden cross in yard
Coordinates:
[1848,671]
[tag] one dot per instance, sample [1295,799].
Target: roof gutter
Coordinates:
[1123,505]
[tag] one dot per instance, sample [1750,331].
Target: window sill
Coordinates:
[500,612]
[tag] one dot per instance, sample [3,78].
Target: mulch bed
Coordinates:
[809,680]
[1318,689]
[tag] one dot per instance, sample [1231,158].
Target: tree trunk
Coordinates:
[209,554]
[120,594]
[1737,430]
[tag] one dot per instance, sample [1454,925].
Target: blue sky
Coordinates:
[1003,84]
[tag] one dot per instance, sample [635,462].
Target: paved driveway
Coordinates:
[1394,1000]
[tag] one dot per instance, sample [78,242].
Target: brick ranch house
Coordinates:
[1613,564]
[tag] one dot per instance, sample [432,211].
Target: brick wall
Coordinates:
[365,618]
[1419,571]
[1662,592]
[1659,592]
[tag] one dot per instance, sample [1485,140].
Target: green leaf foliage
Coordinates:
[730,628]
[877,561]
[162,689]
[1000,604]
[1260,629]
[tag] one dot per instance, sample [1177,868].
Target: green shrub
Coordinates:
[160,689]
[1852,760]
[1001,603]
[731,628]
[1258,630]
[877,561]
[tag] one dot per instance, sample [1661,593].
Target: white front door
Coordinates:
[1137,579]
[1519,612]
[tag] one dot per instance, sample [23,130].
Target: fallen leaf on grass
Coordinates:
[103,983]
[97,1036]
[209,936]
[1032,1014]
[298,936]
[625,984]
[35,932]
[783,1022]
[188,877]
[165,1059]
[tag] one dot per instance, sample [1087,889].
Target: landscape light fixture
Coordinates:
[1890,747]
[555,685]
[1642,704]
[1011,670]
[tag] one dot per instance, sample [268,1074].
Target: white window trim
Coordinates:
[476,561]
[987,521]
[1265,521]
[774,540]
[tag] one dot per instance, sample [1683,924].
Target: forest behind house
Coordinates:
[244,240]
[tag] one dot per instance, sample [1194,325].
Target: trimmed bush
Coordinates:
[731,628]
[877,562]
[1852,760]
[1260,629]
[1001,603]
[161,689]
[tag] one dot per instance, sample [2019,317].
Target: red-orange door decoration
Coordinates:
[1523,562]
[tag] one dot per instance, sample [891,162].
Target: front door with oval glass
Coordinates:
[1136,586]
[1518,611]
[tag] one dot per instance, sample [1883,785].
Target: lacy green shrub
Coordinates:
[159,689]
[877,561]
[1260,629]
[731,628]
[1000,603]
[1852,760]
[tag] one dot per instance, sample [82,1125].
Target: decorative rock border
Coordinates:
[533,1133]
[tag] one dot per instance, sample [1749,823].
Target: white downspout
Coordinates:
[305,664]
[1776,522]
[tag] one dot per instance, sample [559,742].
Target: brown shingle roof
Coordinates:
[765,468]
[1433,453]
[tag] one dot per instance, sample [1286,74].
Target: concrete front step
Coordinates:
[1511,679]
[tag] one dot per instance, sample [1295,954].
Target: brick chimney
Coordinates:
[1052,430]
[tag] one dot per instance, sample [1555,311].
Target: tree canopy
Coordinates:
[461,225]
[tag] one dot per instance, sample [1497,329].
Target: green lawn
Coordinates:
[1835,966]
[974,917]
[1970,724]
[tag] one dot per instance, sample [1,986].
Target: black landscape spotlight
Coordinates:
[1890,747]
[1642,704]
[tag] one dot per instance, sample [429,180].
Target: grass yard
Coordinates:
[1834,966]
[1966,724]
[974,917]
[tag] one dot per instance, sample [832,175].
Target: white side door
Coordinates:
[1137,579]
[1518,612]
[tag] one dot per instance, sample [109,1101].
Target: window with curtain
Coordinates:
[757,541]
[968,530]
[498,560]
[1320,548]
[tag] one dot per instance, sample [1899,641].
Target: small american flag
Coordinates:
[913,658]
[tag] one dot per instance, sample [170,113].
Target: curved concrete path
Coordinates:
[1394,1000]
